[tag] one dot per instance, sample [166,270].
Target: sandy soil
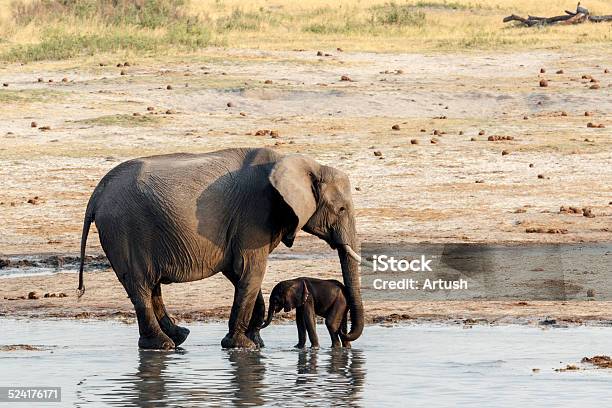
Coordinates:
[454,190]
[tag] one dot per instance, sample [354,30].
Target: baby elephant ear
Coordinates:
[293,176]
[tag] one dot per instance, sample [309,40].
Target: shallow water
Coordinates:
[97,363]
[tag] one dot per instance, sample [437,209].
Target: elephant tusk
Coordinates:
[356,256]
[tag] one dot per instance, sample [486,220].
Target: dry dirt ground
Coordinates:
[436,179]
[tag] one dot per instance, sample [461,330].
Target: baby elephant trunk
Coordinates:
[271,308]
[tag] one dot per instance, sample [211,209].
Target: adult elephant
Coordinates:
[184,217]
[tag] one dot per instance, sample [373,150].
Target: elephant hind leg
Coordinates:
[151,334]
[167,323]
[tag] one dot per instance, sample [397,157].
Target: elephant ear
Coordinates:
[292,177]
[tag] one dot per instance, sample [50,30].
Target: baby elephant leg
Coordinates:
[301,326]
[310,321]
[333,321]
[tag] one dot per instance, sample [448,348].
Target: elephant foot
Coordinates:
[238,340]
[179,335]
[346,345]
[256,338]
[299,346]
[314,346]
[156,342]
[336,345]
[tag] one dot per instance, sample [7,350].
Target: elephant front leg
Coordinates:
[257,319]
[301,327]
[247,289]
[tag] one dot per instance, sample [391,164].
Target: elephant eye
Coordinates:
[341,209]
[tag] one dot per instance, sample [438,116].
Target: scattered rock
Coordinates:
[230,104]
[588,113]
[414,141]
[123,72]
[594,86]
[434,141]
[590,293]
[274,134]
[505,152]
[136,114]
[472,139]
[531,165]
[377,153]
[560,71]
[395,127]
[479,181]
[44,128]
[40,80]
[319,53]
[33,124]
[150,108]
[481,133]
[460,132]
[599,361]
[563,113]
[587,212]
[268,81]
[170,112]
[345,78]
[587,77]
[541,176]
[34,200]
[596,126]
[495,138]
[64,79]
[606,71]
[33,296]
[168,87]
[543,83]
[569,367]
[126,64]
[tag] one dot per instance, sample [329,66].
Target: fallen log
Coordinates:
[581,15]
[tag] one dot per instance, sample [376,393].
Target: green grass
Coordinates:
[123,120]
[30,95]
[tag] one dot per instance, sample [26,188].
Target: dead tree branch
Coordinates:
[581,15]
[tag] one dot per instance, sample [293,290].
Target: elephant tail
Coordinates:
[89,218]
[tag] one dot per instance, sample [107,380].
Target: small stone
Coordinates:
[150,108]
[169,87]
[170,112]
[587,212]
[33,296]
[606,71]
[460,132]
[472,139]
[119,65]
[414,141]
[479,181]
[44,128]
[563,113]
[243,114]
[481,133]
[64,79]
[377,153]
[434,141]
[395,127]
[588,114]
[40,80]
[345,78]
[123,72]
[542,71]
[505,152]
[5,84]
[594,86]
[531,165]
[126,64]
[33,124]
[274,134]
[591,293]
[543,83]
[560,71]
[525,117]
[136,114]
[319,53]
[541,176]
[268,81]
[230,104]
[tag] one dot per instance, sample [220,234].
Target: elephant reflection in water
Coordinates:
[247,375]
[343,380]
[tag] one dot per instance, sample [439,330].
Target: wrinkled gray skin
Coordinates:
[311,297]
[184,217]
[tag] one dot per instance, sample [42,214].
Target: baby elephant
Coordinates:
[312,297]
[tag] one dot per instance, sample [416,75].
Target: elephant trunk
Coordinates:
[271,308]
[352,282]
